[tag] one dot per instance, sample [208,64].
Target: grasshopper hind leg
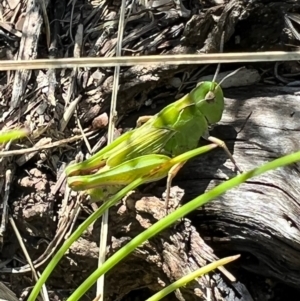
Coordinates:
[171,174]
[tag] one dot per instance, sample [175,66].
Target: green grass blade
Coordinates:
[12,135]
[174,216]
[163,168]
[60,253]
[188,278]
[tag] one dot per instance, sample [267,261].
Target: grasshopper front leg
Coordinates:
[142,119]
[175,168]
[222,144]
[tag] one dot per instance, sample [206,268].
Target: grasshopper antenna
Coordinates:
[211,95]
[230,74]
[219,65]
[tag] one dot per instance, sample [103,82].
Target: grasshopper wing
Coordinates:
[141,141]
[144,141]
[98,160]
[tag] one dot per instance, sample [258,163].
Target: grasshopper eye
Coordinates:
[210,96]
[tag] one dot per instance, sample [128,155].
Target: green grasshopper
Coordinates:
[143,151]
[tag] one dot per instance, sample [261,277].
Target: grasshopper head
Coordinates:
[209,100]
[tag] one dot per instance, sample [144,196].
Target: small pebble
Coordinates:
[100,121]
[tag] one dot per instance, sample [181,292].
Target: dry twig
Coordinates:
[180,59]
[44,292]
[42,147]
[8,178]
[111,127]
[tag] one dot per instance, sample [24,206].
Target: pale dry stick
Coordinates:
[46,20]
[71,19]
[110,134]
[77,210]
[44,292]
[61,179]
[1,13]
[17,12]
[27,156]
[296,18]
[42,147]
[3,162]
[178,59]
[8,177]
[83,135]
[69,113]
[76,53]
[64,206]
